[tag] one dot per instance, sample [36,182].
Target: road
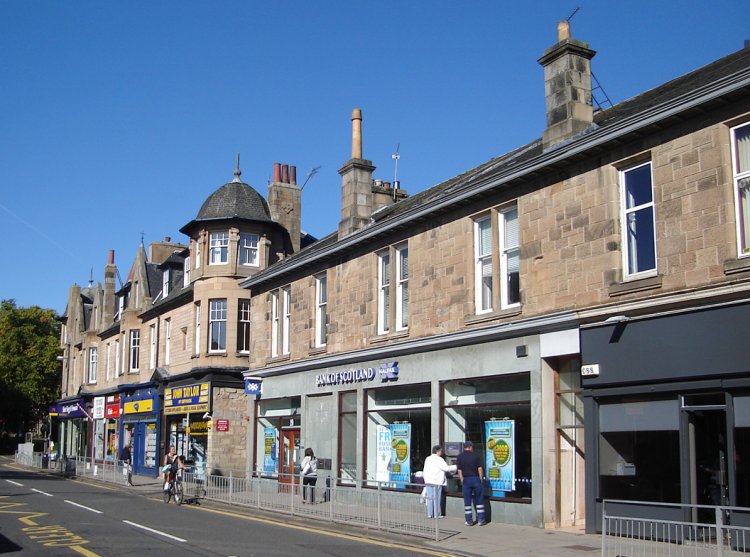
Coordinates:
[47,515]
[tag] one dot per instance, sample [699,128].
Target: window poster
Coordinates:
[400,454]
[99,438]
[499,455]
[384,450]
[270,460]
[149,460]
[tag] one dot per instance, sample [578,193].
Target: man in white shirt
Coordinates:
[434,471]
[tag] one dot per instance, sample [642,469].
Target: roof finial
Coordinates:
[237,172]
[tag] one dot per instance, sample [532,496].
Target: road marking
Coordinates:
[42,492]
[14,483]
[154,531]
[84,507]
[94,484]
[324,533]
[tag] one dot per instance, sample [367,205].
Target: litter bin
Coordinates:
[45,460]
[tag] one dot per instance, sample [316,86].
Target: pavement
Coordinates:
[492,540]
[457,539]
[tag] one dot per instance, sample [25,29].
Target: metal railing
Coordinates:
[681,531]
[387,506]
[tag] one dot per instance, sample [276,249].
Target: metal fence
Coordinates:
[680,531]
[387,506]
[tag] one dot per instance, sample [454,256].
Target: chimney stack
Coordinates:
[567,85]
[108,303]
[356,184]
[285,201]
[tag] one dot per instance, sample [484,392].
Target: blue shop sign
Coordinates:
[73,409]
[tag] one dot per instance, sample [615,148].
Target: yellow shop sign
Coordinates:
[138,406]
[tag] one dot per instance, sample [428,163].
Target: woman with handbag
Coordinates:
[309,469]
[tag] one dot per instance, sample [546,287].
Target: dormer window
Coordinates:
[248,249]
[165,283]
[219,248]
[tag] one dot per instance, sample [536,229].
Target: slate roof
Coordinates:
[717,78]
[234,200]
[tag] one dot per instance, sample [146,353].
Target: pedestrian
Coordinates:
[309,469]
[433,472]
[471,474]
[126,456]
[170,466]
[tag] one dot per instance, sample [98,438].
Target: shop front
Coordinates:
[73,429]
[186,421]
[106,414]
[667,400]
[140,425]
[374,422]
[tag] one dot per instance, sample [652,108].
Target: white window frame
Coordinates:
[384,291]
[402,287]
[167,340]
[219,248]
[186,272]
[217,324]
[484,293]
[135,350]
[275,323]
[321,310]
[165,282]
[198,254]
[248,249]
[152,346]
[108,362]
[629,250]
[197,344]
[741,181]
[93,356]
[243,326]
[118,362]
[286,296]
[510,254]
[124,345]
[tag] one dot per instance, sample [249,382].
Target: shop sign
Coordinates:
[222,425]
[112,408]
[99,408]
[68,410]
[138,406]
[187,399]
[388,371]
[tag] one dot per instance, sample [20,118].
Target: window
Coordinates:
[638,229]
[280,321]
[497,282]
[402,287]
[165,283]
[243,327]
[135,347]
[197,328]
[384,292]
[248,249]
[219,248]
[741,171]
[217,326]
[321,315]
[117,358]
[92,364]
[108,363]
[186,271]
[167,340]
[639,450]
[152,346]
[198,254]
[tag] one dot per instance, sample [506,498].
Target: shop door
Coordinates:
[707,463]
[288,455]
[139,444]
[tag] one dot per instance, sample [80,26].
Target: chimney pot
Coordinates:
[284,173]
[111,257]
[357,133]
[563,31]
[277,172]
[293,175]
[167,238]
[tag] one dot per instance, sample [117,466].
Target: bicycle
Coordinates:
[175,489]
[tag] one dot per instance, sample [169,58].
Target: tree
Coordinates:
[29,370]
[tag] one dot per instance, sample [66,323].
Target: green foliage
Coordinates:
[29,370]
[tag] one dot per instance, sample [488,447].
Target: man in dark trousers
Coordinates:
[126,457]
[471,473]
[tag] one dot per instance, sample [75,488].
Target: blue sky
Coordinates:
[120,118]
